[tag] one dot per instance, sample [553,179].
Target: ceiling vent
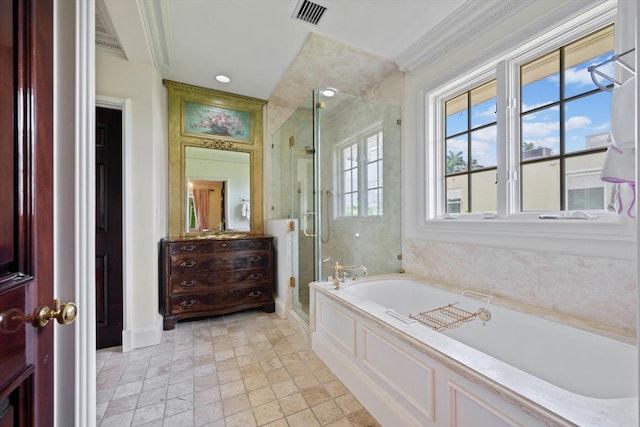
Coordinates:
[308,11]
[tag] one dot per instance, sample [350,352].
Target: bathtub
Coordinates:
[514,369]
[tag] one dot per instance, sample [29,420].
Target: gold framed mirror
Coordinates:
[215,161]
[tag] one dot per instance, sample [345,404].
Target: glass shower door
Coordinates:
[303,203]
[337,171]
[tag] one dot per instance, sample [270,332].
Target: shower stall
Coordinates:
[336,169]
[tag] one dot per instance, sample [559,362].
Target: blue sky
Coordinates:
[583,117]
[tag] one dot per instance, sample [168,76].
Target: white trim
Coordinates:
[474,19]
[84,212]
[156,18]
[146,336]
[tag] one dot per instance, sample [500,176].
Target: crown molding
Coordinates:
[185,88]
[472,20]
[106,36]
[156,19]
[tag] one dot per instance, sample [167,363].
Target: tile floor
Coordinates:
[246,369]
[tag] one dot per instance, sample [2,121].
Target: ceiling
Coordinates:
[257,42]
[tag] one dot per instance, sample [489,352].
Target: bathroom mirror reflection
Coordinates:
[218,190]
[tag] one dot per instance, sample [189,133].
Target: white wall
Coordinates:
[147,183]
[592,292]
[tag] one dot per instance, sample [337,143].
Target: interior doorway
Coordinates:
[109,247]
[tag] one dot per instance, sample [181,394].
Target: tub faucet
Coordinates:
[344,268]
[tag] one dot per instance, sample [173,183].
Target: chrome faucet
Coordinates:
[344,268]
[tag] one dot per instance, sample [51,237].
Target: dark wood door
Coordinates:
[108,227]
[26,210]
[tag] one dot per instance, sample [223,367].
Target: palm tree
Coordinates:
[526,146]
[456,162]
[475,165]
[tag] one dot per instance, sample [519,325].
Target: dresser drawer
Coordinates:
[209,277]
[221,300]
[203,282]
[209,247]
[219,262]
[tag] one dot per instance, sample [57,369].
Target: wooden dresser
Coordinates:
[204,277]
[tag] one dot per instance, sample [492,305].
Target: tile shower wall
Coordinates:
[372,241]
[593,293]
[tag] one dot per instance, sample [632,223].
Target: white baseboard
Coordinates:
[142,337]
[281,308]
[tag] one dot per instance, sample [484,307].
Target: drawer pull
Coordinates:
[186,264]
[255,294]
[224,245]
[188,248]
[255,276]
[188,303]
[188,284]
[255,258]
[255,244]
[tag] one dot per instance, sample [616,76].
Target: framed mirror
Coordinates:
[215,161]
[218,190]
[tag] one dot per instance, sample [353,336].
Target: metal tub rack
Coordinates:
[450,317]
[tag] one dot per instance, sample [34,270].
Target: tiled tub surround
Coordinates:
[597,294]
[406,371]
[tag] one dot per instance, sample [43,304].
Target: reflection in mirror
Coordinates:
[218,190]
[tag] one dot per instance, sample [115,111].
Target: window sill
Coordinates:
[600,237]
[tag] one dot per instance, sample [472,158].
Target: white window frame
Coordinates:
[609,235]
[362,193]
[379,136]
[341,167]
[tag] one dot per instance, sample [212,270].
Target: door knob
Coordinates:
[11,320]
[64,315]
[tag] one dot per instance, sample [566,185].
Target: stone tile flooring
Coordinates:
[246,369]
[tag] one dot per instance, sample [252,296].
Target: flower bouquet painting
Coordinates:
[209,120]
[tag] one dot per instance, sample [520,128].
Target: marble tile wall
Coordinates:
[598,294]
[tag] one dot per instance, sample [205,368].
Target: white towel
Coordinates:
[620,162]
[246,210]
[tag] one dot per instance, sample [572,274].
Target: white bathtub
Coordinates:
[514,369]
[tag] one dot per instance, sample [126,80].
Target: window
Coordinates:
[374,174]
[362,184]
[564,122]
[544,167]
[559,129]
[470,161]
[350,180]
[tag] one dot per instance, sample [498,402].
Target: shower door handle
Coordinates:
[306,216]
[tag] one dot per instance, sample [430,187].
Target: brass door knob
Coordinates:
[67,313]
[64,315]
[11,320]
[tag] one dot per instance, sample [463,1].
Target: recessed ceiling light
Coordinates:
[222,78]
[328,92]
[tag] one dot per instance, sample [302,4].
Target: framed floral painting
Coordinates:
[211,121]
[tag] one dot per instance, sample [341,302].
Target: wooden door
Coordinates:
[108,227]
[26,210]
